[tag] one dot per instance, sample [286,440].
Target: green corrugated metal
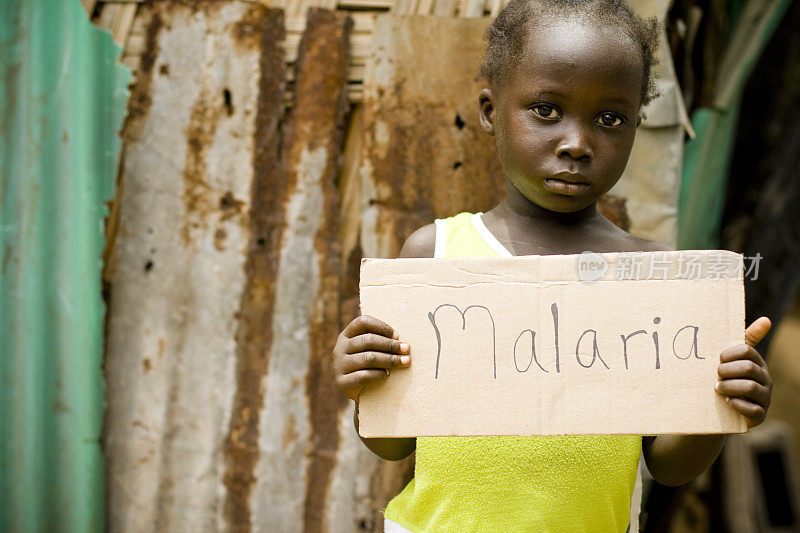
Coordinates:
[707,157]
[62,99]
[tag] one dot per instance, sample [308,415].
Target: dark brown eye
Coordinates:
[610,120]
[546,111]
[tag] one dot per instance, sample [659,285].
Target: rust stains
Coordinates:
[219,239]
[320,104]
[254,332]
[614,209]
[199,133]
[247,32]
[290,435]
[429,157]
[230,206]
[140,100]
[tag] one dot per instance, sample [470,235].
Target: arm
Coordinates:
[368,349]
[746,383]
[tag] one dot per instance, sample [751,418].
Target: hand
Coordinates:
[365,352]
[744,377]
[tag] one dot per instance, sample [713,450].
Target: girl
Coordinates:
[565,84]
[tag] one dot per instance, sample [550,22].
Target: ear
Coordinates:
[486,112]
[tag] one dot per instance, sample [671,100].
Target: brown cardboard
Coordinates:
[470,313]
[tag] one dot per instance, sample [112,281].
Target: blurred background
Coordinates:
[187,189]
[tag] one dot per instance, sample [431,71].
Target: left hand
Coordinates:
[743,375]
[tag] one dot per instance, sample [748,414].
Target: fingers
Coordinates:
[757,331]
[365,352]
[363,360]
[742,352]
[744,368]
[754,414]
[744,376]
[369,324]
[353,383]
[745,389]
[373,341]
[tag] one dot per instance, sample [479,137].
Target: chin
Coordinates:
[566,205]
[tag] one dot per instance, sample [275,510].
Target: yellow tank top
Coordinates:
[509,484]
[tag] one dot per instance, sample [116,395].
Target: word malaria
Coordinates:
[527,337]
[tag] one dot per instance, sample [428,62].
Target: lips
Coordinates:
[567,183]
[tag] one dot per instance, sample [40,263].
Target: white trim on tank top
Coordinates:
[488,237]
[441,237]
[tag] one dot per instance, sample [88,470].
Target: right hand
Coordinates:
[365,352]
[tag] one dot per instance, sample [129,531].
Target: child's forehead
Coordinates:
[574,37]
[573,59]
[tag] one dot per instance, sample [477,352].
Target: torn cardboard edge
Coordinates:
[620,343]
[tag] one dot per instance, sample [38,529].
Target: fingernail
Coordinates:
[395,336]
[404,360]
[716,385]
[404,347]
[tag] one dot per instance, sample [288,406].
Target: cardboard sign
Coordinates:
[623,343]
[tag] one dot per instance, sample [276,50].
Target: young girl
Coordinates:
[565,84]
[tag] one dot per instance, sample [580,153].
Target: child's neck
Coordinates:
[525,228]
[517,206]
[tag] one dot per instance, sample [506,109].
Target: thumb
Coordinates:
[757,331]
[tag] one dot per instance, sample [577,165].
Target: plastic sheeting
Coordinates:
[62,99]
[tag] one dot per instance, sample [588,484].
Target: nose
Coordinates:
[575,144]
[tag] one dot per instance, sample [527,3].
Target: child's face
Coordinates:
[566,118]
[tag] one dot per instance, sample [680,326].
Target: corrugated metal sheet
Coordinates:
[224,281]
[62,99]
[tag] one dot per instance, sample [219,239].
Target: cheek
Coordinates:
[617,152]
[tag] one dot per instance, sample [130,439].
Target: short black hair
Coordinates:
[507,35]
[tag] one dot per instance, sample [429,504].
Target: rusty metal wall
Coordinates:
[225,284]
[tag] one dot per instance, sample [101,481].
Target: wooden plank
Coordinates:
[360,46]
[123,22]
[136,44]
[471,9]
[88,6]
[425,7]
[405,7]
[363,22]
[107,15]
[444,8]
[132,62]
[366,4]
[139,22]
[354,72]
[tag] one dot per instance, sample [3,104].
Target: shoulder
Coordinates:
[421,243]
[626,242]
[643,245]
